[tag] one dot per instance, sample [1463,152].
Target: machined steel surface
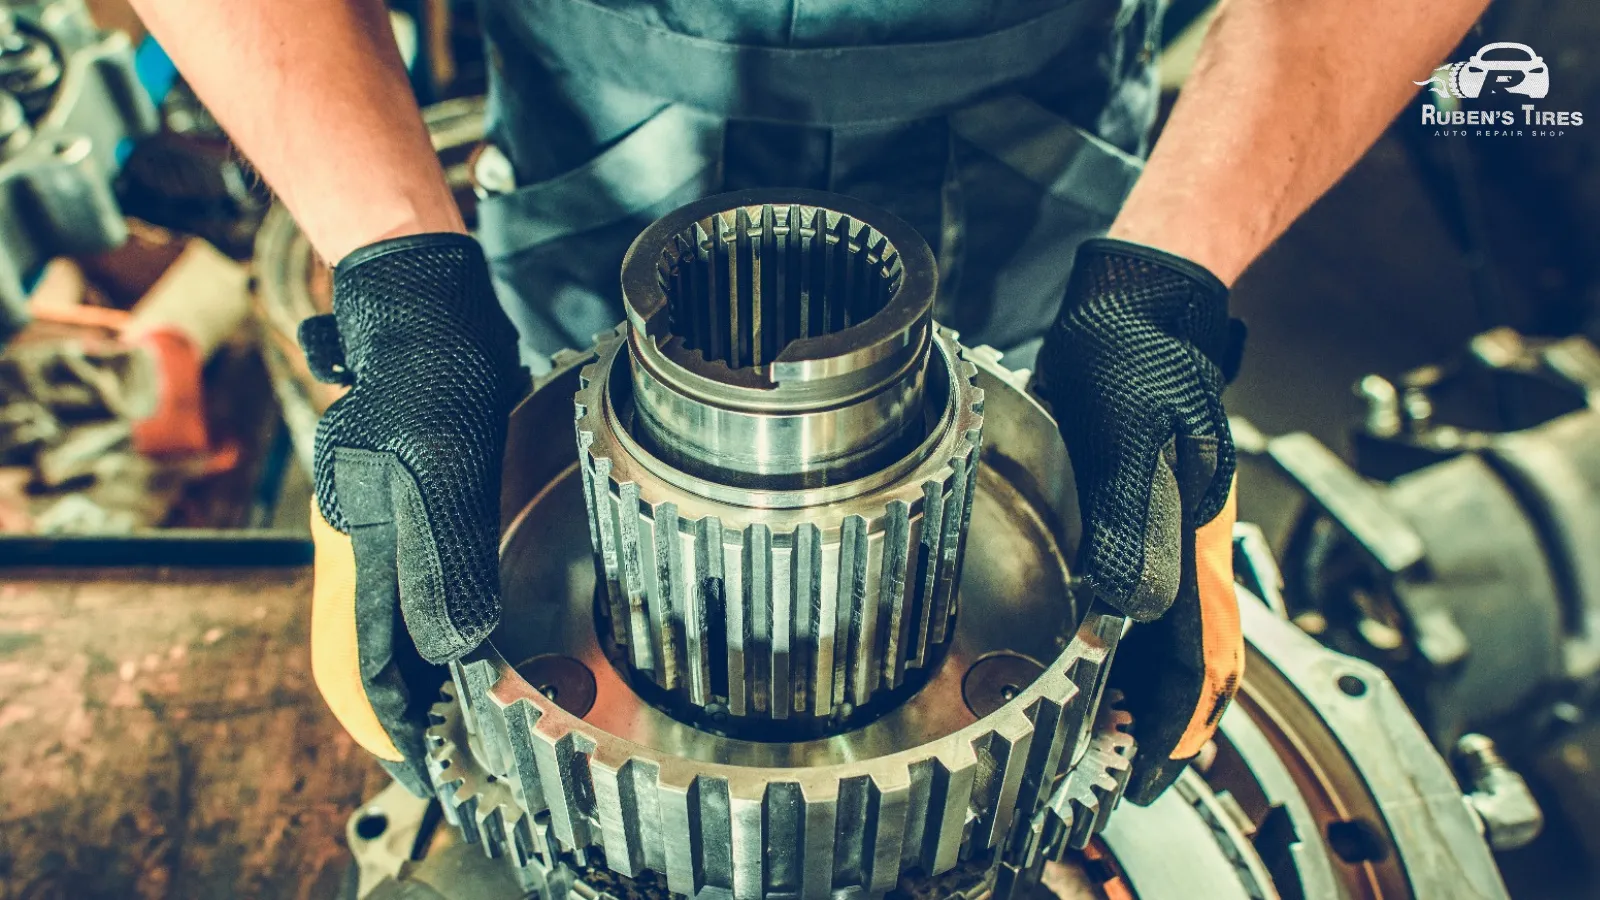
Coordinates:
[779,339]
[780,454]
[780,604]
[1385,803]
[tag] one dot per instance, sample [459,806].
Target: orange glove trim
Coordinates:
[335,654]
[1221,635]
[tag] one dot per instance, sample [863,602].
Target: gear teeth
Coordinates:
[563,788]
[1094,787]
[481,806]
[679,802]
[1003,755]
[719,608]
[719,828]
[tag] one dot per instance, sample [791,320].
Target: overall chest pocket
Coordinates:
[1024,188]
[556,246]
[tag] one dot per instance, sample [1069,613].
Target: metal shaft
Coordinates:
[778,346]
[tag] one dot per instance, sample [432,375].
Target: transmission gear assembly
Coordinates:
[818,638]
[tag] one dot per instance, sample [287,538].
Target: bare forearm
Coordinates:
[1285,97]
[314,93]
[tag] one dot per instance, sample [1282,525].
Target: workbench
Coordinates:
[161,737]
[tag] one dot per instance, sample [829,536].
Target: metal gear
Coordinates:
[871,424]
[1304,755]
[1092,789]
[717,466]
[779,455]
[487,812]
[852,824]
[485,809]
[837,602]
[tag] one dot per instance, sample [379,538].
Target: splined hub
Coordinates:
[779,476]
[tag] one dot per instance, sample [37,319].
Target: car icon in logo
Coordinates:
[1504,67]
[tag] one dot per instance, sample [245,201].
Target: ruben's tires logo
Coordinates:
[1503,68]
[1501,77]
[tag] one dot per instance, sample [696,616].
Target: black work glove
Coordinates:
[407,473]
[1134,369]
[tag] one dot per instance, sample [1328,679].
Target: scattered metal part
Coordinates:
[190,178]
[15,130]
[1511,816]
[1374,790]
[382,835]
[401,853]
[1255,568]
[1498,619]
[82,98]
[29,67]
[1349,499]
[75,456]
[1383,405]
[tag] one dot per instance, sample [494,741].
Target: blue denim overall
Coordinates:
[1005,131]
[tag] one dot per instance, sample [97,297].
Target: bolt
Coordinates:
[1312,622]
[15,132]
[1383,406]
[1511,817]
[1479,755]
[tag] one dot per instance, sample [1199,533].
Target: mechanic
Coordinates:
[1009,132]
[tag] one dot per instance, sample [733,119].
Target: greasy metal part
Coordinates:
[841,591]
[29,67]
[780,475]
[81,98]
[1255,568]
[1511,817]
[15,130]
[1496,623]
[401,852]
[487,813]
[1170,849]
[1383,800]
[1347,497]
[565,755]
[1082,803]
[291,283]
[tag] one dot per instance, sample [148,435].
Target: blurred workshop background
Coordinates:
[160,735]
